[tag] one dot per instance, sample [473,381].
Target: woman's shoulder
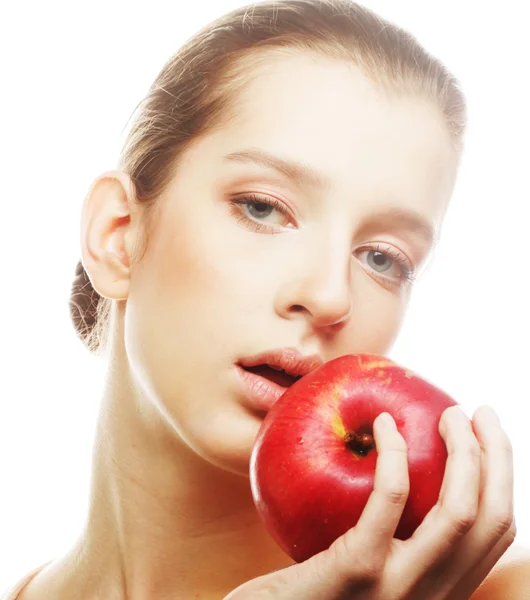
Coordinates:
[13,592]
[509,579]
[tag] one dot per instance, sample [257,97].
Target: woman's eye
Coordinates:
[382,263]
[379,261]
[259,210]
[255,212]
[261,214]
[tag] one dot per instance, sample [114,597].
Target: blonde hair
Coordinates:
[196,91]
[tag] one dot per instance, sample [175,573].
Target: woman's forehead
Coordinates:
[328,112]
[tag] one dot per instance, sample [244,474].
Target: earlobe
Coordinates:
[106,224]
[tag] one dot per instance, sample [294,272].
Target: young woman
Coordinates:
[281,187]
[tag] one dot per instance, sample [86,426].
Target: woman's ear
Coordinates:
[108,227]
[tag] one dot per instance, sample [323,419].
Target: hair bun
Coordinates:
[83,304]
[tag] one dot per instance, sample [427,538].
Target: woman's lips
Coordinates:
[262,393]
[275,375]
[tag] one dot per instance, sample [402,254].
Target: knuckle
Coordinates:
[508,538]
[511,533]
[461,521]
[354,567]
[398,494]
[502,523]
[474,450]
[367,573]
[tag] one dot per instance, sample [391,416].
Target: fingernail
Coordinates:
[387,420]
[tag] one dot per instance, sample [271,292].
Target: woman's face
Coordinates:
[324,270]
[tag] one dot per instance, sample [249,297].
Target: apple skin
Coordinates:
[308,485]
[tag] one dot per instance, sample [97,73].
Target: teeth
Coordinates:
[275,368]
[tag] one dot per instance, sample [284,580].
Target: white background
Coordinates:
[71,75]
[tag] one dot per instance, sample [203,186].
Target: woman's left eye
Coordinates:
[383,261]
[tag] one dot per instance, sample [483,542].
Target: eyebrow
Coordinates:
[308,177]
[405,219]
[301,175]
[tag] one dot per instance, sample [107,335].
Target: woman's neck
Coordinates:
[162,521]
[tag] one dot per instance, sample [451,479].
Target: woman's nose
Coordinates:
[322,292]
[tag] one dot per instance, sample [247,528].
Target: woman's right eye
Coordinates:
[253,210]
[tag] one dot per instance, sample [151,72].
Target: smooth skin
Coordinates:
[171,514]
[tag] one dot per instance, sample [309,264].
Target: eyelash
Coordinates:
[407,273]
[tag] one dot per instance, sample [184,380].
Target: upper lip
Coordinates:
[289,360]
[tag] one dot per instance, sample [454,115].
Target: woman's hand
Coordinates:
[450,553]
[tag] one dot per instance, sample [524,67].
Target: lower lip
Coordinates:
[261,393]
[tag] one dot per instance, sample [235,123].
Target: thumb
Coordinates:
[273,585]
[310,580]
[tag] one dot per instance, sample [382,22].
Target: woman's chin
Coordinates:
[232,460]
[227,443]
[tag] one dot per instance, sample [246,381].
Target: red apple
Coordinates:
[313,463]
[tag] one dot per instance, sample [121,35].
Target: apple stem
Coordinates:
[360,443]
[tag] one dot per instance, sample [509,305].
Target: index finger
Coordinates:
[385,505]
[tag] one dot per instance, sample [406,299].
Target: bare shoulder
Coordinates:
[509,579]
